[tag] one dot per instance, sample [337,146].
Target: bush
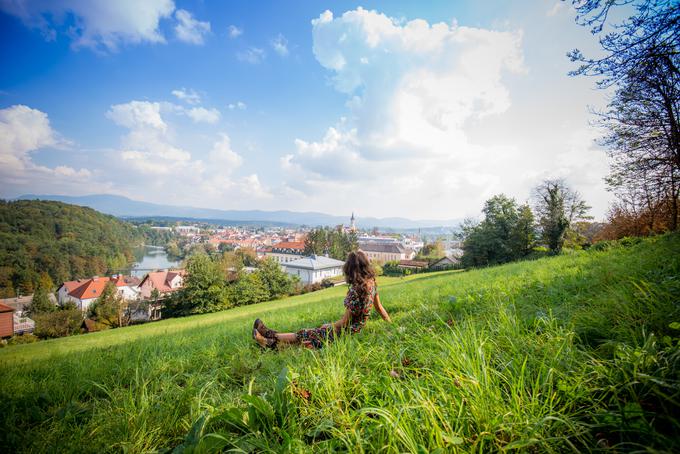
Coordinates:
[60,323]
[22,339]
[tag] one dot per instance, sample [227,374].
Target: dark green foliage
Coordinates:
[40,303]
[334,242]
[65,241]
[505,234]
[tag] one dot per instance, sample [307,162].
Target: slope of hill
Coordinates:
[125,207]
[65,241]
[575,353]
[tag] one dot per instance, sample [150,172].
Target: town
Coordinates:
[144,294]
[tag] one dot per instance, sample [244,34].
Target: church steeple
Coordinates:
[352,225]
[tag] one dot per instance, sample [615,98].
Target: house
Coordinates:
[165,282]
[20,304]
[413,264]
[314,268]
[287,251]
[445,263]
[385,252]
[84,292]
[6,321]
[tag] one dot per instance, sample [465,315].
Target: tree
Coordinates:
[204,287]
[277,282]
[40,304]
[523,237]
[641,59]
[434,250]
[334,242]
[249,289]
[505,234]
[557,207]
[109,308]
[652,31]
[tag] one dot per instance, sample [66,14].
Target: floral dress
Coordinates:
[360,311]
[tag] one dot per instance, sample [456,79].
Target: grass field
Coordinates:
[568,354]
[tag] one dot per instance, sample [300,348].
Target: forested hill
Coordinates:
[44,238]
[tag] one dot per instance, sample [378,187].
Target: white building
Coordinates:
[386,252]
[287,251]
[314,268]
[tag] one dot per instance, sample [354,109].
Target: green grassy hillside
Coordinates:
[574,353]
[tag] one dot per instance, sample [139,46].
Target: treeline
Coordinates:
[219,281]
[639,65]
[510,231]
[59,242]
[334,242]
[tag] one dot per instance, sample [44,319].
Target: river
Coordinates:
[150,258]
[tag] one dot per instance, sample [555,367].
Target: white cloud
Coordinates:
[240,105]
[24,130]
[147,146]
[252,55]
[556,8]
[412,88]
[203,115]
[441,117]
[137,115]
[98,24]
[190,30]
[188,96]
[222,154]
[280,45]
[234,31]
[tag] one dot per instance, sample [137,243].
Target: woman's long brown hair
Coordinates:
[359,274]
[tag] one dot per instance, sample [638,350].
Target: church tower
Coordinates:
[352,225]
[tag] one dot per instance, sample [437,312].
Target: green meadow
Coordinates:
[574,353]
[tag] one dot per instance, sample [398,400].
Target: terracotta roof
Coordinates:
[92,288]
[72,285]
[160,280]
[290,245]
[6,308]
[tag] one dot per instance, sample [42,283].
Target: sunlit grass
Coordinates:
[566,354]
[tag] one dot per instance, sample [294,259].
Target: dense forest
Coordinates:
[43,241]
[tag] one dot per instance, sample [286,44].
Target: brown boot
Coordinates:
[262,329]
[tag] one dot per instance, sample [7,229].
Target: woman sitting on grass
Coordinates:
[362,294]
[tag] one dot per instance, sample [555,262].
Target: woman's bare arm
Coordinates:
[344,321]
[381,310]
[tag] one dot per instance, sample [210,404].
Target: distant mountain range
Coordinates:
[127,208]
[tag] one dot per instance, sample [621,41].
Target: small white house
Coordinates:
[314,268]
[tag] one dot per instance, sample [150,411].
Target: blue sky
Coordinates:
[413,109]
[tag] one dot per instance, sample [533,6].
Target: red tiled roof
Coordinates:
[160,280]
[290,245]
[92,288]
[6,308]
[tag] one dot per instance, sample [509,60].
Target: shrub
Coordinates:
[60,323]
[22,339]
